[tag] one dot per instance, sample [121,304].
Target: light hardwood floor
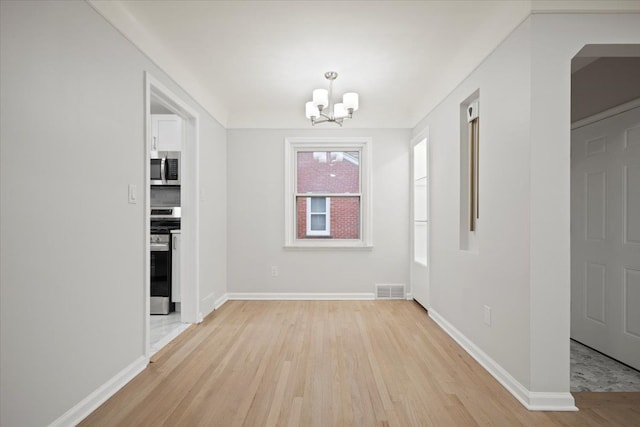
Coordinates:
[331,363]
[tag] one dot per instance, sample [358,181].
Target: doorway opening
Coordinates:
[605,219]
[167,316]
[419,267]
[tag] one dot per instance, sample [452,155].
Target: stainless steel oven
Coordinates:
[165,168]
[163,221]
[160,273]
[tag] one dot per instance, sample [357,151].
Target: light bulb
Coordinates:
[350,101]
[339,112]
[311,111]
[320,98]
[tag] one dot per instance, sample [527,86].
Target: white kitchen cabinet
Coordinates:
[175,266]
[166,132]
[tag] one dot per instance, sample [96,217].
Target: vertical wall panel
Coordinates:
[595,208]
[596,146]
[632,301]
[594,292]
[632,204]
[632,137]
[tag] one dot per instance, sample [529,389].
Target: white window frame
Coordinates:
[291,147]
[326,213]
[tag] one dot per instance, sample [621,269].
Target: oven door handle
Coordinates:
[159,247]
[163,170]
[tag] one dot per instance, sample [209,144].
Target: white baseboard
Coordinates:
[90,403]
[207,305]
[299,296]
[220,301]
[534,401]
[543,401]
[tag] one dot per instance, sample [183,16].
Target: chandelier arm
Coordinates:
[324,120]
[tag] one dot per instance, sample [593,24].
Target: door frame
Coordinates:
[422,136]
[190,189]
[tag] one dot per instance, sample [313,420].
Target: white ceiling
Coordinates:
[253,64]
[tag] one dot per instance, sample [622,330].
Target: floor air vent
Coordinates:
[390,292]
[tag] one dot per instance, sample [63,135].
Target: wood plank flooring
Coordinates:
[331,363]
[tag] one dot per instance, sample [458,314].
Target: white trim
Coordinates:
[190,260]
[299,296]
[549,401]
[413,264]
[534,401]
[337,245]
[90,403]
[326,213]
[361,144]
[606,114]
[220,301]
[146,279]
[207,305]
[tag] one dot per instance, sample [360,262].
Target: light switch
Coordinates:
[133,196]
[487,315]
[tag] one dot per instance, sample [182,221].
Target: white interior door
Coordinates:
[605,236]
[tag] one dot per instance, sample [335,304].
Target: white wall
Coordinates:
[71,247]
[521,268]
[213,213]
[555,40]
[256,219]
[497,274]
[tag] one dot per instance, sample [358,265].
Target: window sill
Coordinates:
[324,245]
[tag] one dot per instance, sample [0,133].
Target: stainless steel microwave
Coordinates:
[165,168]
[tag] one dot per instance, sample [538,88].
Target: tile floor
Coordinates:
[165,328]
[592,371]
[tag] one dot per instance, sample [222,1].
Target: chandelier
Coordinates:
[322,110]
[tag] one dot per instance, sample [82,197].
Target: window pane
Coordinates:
[420,242]
[420,200]
[343,218]
[332,172]
[318,204]
[318,222]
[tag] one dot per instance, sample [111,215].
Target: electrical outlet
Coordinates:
[274,271]
[487,315]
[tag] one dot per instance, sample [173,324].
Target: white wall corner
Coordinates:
[90,403]
[207,305]
[220,301]
[533,401]
[301,296]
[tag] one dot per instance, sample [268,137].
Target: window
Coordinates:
[327,192]
[318,216]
